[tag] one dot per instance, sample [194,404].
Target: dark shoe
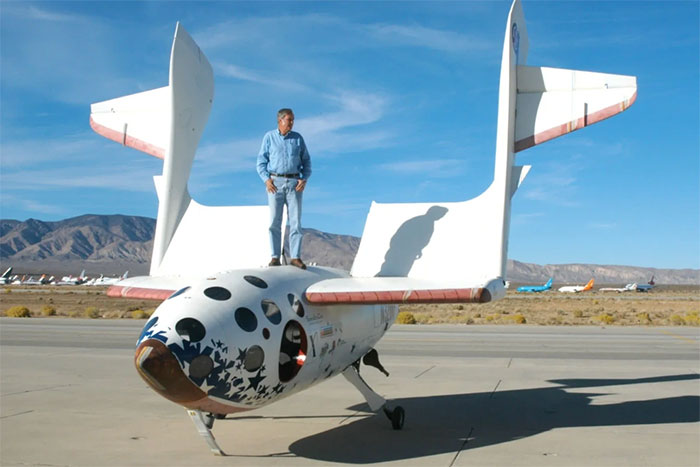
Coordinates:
[274,262]
[298,263]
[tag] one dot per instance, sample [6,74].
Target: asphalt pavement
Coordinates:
[473,395]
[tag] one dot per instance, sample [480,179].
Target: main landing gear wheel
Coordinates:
[396,416]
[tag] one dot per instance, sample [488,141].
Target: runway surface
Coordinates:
[473,395]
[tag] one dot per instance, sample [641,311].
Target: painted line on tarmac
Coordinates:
[683,338]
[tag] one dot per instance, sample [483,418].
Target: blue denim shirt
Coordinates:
[283,155]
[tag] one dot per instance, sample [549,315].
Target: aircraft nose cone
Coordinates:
[160,369]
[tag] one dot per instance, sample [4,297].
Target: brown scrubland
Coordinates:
[663,306]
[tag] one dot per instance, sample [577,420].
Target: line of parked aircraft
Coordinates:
[8,279]
[589,286]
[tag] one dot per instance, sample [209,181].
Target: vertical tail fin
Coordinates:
[166,122]
[468,241]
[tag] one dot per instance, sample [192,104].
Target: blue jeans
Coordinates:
[286,194]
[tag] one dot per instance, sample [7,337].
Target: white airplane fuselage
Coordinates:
[571,288]
[245,338]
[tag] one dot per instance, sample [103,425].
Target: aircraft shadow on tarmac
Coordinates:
[448,423]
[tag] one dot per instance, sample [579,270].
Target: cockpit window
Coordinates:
[254,358]
[296,305]
[246,319]
[217,293]
[179,292]
[256,281]
[272,311]
[190,329]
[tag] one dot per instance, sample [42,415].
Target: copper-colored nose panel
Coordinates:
[159,368]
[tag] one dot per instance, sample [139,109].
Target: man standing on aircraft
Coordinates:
[284,166]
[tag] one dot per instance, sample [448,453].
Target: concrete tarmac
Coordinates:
[473,395]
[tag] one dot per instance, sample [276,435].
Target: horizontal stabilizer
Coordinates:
[140,121]
[397,290]
[552,102]
[147,287]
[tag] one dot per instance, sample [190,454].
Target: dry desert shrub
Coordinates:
[692,318]
[48,310]
[91,312]
[139,314]
[677,320]
[643,318]
[18,312]
[605,318]
[518,319]
[114,315]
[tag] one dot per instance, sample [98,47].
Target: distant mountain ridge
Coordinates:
[111,244]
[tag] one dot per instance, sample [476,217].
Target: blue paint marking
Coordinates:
[149,333]
[515,37]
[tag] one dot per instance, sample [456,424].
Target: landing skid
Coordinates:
[375,401]
[204,423]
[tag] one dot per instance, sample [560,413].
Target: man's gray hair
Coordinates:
[282,112]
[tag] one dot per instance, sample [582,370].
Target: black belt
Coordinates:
[296,175]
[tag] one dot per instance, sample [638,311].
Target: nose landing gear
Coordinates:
[204,423]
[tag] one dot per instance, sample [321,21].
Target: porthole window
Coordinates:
[272,311]
[256,281]
[201,366]
[190,329]
[254,358]
[217,293]
[246,319]
[179,292]
[296,305]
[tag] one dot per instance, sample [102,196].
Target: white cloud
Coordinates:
[259,77]
[30,204]
[434,168]
[420,36]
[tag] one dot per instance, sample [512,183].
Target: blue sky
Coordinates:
[397,102]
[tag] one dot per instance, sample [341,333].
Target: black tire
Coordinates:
[397,418]
[209,420]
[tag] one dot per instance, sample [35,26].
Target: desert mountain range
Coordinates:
[111,244]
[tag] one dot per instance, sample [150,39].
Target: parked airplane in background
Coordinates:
[233,335]
[6,278]
[577,288]
[627,288]
[16,280]
[107,280]
[40,281]
[537,288]
[646,287]
[70,280]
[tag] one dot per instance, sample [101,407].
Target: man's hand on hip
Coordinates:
[301,184]
[270,186]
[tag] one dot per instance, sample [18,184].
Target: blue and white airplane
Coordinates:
[233,335]
[537,288]
[646,287]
